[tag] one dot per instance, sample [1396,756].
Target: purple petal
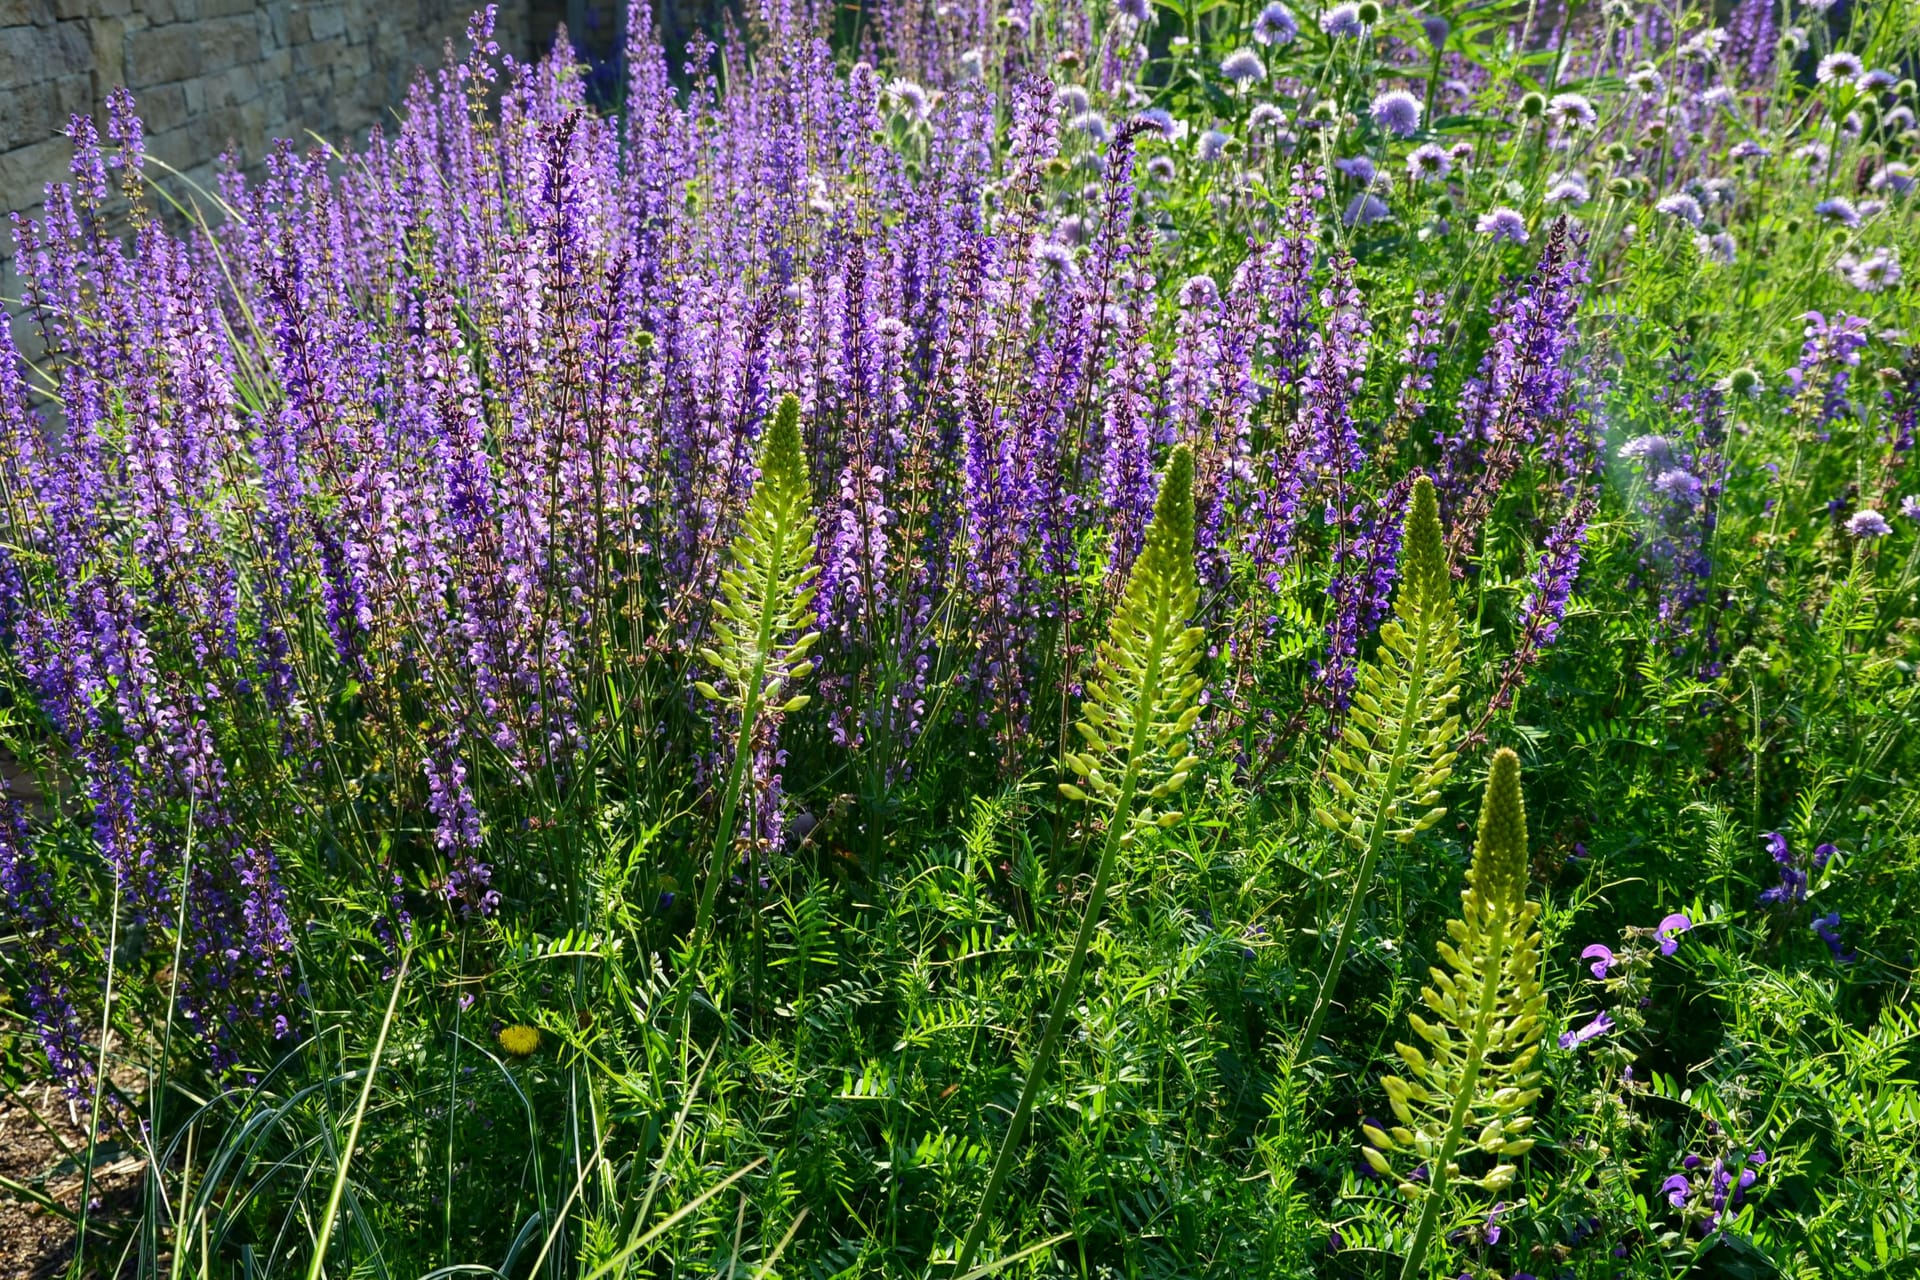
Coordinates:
[1601,956]
[1668,931]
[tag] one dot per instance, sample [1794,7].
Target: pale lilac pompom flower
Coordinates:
[1343,20]
[1243,66]
[1868,524]
[1275,26]
[1503,224]
[1397,112]
[1840,67]
[1429,162]
[1682,206]
[1572,111]
[1840,210]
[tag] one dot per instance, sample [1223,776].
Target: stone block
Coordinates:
[26,56]
[22,13]
[108,40]
[228,42]
[32,118]
[327,21]
[26,171]
[162,55]
[164,107]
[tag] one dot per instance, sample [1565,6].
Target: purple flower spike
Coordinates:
[1677,1189]
[1602,957]
[1669,931]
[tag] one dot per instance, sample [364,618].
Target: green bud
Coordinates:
[1500,853]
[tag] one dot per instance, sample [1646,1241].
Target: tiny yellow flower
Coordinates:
[519,1040]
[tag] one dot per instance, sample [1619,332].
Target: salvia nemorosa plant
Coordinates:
[1475,1074]
[1142,701]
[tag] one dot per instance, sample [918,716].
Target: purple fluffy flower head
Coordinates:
[1275,25]
[1243,67]
[1343,21]
[1397,112]
[1429,162]
[1868,524]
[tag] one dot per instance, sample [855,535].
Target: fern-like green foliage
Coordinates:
[1142,701]
[1396,749]
[1476,1070]
[761,631]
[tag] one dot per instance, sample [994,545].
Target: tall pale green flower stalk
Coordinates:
[1469,1089]
[761,623]
[1141,704]
[1396,749]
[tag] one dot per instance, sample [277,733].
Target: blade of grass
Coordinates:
[317,1267]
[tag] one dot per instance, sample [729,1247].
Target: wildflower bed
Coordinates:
[1149,640]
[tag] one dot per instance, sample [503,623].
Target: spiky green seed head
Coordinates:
[1424,555]
[783,462]
[1169,539]
[1500,854]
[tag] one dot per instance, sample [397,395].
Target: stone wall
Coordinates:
[213,75]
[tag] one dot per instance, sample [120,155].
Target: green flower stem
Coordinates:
[736,778]
[1076,963]
[1495,962]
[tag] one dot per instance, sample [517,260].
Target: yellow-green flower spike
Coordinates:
[1423,562]
[1396,749]
[1500,854]
[761,625]
[1473,1075]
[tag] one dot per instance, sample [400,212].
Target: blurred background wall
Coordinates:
[218,75]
